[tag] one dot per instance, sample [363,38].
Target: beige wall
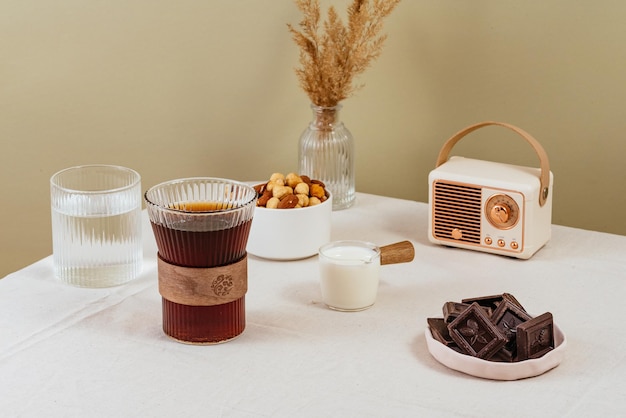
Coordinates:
[189,88]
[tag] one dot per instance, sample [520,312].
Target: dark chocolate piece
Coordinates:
[535,337]
[507,317]
[439,331]
[512,299]
[504,355]
[456,348]
[453,309]
[475,334]
[488,301]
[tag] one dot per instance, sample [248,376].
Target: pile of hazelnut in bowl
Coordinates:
[292,217]
[290,191]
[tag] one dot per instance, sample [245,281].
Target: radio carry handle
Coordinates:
[544,178]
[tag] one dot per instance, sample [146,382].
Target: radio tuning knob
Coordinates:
[502,211]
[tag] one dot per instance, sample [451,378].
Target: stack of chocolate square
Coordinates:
[495,328]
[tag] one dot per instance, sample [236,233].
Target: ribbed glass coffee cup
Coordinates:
[201,226]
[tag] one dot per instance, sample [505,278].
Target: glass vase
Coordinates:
[326,153]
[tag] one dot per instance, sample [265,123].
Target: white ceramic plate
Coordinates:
[497,370]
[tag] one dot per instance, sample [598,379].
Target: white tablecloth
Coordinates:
[68,351]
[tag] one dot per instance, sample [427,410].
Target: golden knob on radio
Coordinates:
[502,211]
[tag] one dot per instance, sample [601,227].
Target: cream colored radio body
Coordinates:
[488,206]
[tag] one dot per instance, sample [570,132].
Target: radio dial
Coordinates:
[502,211]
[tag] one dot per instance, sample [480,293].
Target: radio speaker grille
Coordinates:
[456,212]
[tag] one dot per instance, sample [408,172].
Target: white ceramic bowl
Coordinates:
[498,370]
[290,234]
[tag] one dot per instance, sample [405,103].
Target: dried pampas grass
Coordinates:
[332,55]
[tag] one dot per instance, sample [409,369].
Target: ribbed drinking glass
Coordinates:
[96,225]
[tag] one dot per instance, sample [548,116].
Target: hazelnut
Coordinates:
[301,188]
[278,176]
[292,179]
[272,203]
[303,200]
[281,191]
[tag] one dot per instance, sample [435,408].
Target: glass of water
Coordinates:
[96,225]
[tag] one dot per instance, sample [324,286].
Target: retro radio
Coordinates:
[488,206]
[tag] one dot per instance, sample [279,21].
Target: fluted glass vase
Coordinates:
[326,153]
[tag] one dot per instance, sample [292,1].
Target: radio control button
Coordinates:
[501,243]
[457,233]
[514,245]
[488,241]
[502,211]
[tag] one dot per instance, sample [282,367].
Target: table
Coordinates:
[68,351]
